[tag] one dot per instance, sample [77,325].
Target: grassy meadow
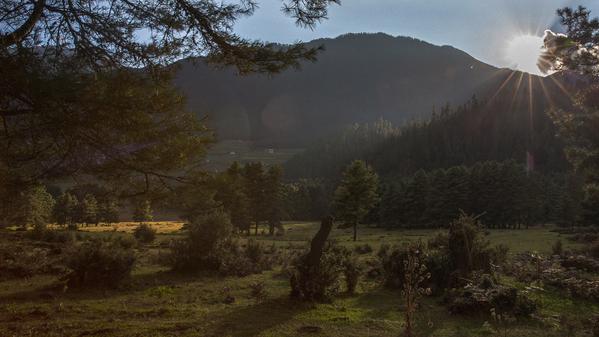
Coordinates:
[156,302]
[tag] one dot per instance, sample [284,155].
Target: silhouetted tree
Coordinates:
[65,209]
[143,212]
[356,195]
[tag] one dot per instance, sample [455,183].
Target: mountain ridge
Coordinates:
[358,78]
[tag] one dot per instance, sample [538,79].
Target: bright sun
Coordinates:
[522,53]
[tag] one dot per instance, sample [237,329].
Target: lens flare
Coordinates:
[523,51]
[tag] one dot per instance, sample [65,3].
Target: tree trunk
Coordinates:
[318,242]
[355,231]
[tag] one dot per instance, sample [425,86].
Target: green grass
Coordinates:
[538,239]
[159,303]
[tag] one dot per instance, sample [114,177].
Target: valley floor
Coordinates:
[158,303]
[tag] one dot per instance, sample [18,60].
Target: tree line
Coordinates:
[479,130]
[251,194]
[502,194]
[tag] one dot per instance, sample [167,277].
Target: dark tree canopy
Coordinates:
[578,50]
[140,32]
[85,89]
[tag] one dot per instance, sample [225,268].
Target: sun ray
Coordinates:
[516,91]
[562,88]
[530,108]
[505,82]
[546,92]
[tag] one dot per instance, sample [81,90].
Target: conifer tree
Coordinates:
[108,211]
[254,189]
[65,209]
[143,212]
[36,206]
[273,195]
[232,194]
[89,210]
[356,195]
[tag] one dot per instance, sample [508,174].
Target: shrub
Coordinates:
[207,238]
[144,233]
[593,250]
[253,258]
[48,235]
[392,260]
[485,295]
[125,242]
[322,282]
[468,249]
[258,290]
[439,241]
[557,248]
[499,254]
[22,261]
[254,251]
[441,270]
[227,295]
[413,285]
[72,227]
[363,249]
[98,263]
[352,273]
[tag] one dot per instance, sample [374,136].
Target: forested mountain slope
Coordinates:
[358,78]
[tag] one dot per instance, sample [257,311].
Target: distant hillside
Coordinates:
[359,78]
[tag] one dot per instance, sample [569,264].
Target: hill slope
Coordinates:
[359,78]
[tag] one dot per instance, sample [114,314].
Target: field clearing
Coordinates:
[161,227]
[222,154]
[156,302]
[539,239]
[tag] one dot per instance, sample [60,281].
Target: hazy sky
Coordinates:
[482,28]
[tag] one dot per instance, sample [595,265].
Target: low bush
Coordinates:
[22,262]
[253,258]
[97,263]
[323,282]
[125,241]
[593,249]
[557,248]
[485,294]
[352,273]
[258,290]
[441,271]
[144,233]
[363,249]
[438,264]
[391,260]
[467,247]
[48,235]
[208,238]
[210,246]
[499,254]
[439,241]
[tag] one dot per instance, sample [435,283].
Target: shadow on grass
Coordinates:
[53,288]
[250,321]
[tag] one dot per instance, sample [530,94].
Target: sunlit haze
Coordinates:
[522,53]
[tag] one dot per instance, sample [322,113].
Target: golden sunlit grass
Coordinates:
[162,227]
